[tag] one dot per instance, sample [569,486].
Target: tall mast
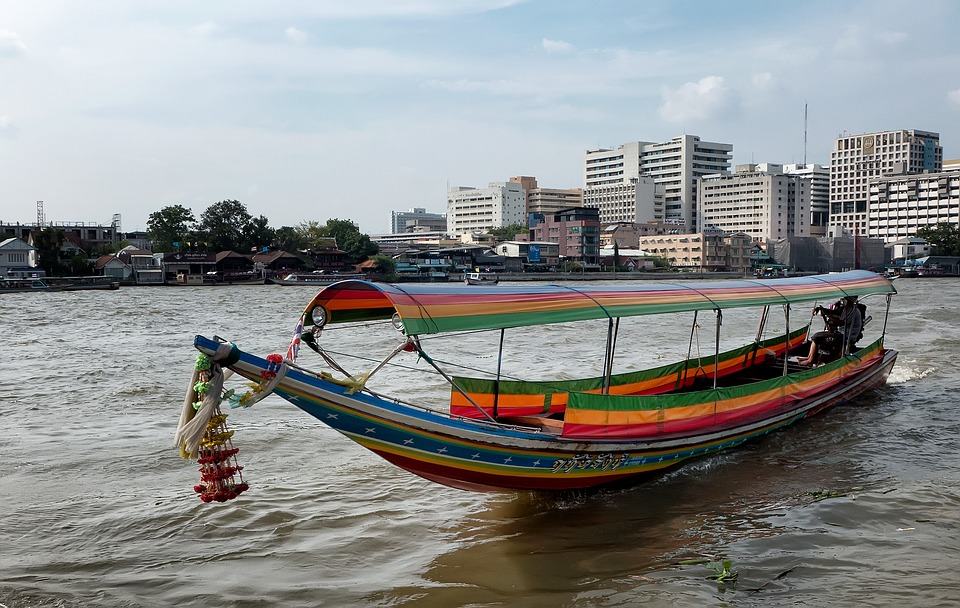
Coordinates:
[804,135]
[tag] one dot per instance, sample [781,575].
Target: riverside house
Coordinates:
[18,260]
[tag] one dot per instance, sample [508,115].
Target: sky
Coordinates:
[318,109]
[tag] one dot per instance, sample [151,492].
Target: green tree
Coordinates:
[107,248]
[349,238]
[79,265]
[224,226]
[944,237]
[48,242]
[508,233]
[287,238]
[660,262]
[258,233]
[169,225]
[384,264]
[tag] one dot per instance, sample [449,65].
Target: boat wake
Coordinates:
[908,372]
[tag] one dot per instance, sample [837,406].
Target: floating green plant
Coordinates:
[723,571]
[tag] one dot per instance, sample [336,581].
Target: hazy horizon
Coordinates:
[311,110]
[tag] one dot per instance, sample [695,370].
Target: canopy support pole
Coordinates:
[756,343]
[606,354]
[456,386]
[496,384]
[686,363]
[763,322]
[886,314]
[610,354]
[716,353]
[380,365]
[786,347]
[315,346]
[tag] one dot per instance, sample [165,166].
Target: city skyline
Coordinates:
[328,110]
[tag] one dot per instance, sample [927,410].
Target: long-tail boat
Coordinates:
[502,433]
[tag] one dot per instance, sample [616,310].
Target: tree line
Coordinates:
[228,226]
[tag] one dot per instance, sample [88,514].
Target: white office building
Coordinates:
[674,167]
[900,205]
[758,200]
[418,217]
[818,178]
[858,159]
[638,201]
[472,209]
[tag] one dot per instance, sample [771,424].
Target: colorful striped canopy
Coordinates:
[432,309]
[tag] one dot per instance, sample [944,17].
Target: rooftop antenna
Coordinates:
[804,135]
[41,220]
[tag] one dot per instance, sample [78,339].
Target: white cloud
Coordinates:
[10,44]
[489,87]
[556,46]
[707,98]
[207,28]
[762,80]
[856,39]
[294,35]
[954,97]
[7,128]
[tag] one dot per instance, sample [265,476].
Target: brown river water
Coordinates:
[859,506]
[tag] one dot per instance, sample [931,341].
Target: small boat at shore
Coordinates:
[480,278]
[312,279]
[503,433]
[58,284]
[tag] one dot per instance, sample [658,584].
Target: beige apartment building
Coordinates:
[758,200]
[701,251]
[899,205]
[547,200]
[858,159]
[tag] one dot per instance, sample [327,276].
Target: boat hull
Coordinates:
[479,455]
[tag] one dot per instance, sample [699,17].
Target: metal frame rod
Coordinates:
[606,351]
[761,326]
[456,386]
[330,360]
[716,354]
[763,322]
[386,360]
[496,384]
[786,349]
[612,352]
[686,363]
[883,334]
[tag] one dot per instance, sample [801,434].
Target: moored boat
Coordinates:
[316,280]
[480,278]
[45,284]
[504,433]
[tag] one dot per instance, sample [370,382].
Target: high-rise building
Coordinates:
[901,204]
[757,200]
[857,159]
[818,178]
[547,200]
[472,209]
[674,167]
[406,221]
